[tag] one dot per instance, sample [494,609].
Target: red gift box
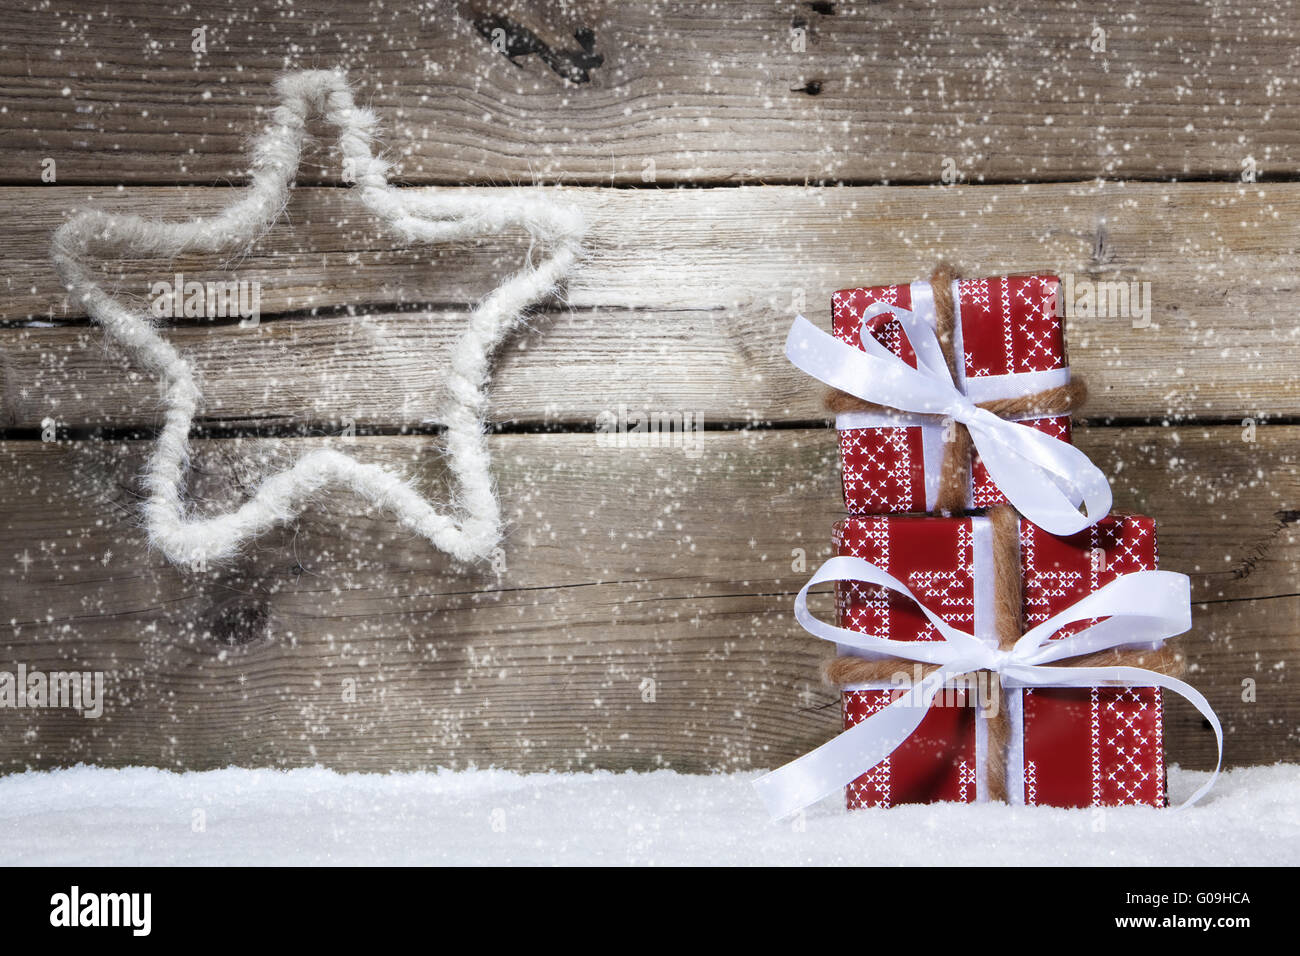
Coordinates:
[1007,331]
[1069,747]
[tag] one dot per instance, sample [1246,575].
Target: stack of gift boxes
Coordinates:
[1073,746]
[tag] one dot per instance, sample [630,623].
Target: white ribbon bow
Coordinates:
[1141,607]
[1045,478]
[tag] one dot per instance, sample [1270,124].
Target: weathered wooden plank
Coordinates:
[623,566]
[683,304]
[699,93]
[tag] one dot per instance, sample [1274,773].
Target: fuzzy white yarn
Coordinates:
[416,216]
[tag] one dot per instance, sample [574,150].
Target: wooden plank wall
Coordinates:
[639,616]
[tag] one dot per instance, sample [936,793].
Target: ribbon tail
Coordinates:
[1039,676]
[849,755]
[1034,471]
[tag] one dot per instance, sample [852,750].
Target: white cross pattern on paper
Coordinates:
[1128,745]
[873,788]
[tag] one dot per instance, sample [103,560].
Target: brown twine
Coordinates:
[1008,622]
[954,481]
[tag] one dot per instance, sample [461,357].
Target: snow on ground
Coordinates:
[95,816]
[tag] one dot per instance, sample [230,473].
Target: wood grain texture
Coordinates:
[707,93]
[622,566]
[684,302]
[628,574]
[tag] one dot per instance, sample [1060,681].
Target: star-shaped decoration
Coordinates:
[418,216]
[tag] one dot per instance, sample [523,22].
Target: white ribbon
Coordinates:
[1143,607]
[1045,478]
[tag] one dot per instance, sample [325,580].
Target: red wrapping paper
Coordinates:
[1116,733]
[1076,746]
[1008,326]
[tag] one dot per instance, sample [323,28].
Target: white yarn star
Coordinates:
[418,217]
